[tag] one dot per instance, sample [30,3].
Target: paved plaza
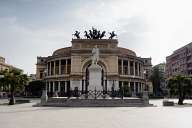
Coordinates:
[26,116]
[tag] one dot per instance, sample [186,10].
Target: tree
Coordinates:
[156,78]
[34,88]
[180,86]
[15,80]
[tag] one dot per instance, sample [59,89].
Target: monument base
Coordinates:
[95,74]
[116,102]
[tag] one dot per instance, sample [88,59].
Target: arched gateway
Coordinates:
[68,69]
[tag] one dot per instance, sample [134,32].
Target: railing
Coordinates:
[94,94]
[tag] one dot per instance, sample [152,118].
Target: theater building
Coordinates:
[67,68]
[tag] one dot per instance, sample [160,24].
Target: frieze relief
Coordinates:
[93,45]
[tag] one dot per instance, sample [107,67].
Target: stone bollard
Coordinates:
[145,97]
[166,102]
[44,97]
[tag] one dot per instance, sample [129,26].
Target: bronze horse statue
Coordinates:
[102,35]
[112,35]
[76,34]
[87,35]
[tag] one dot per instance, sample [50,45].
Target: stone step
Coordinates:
[65,102]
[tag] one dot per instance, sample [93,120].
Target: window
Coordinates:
[68,66]
[131,68]
[63,66]
[119,67]
[57,67]
[125,67]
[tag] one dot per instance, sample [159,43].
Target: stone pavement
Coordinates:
[26,116]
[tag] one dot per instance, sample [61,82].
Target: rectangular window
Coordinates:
[136,69]
[119,67]
[131,68]
[57,67]
[41,74]
[125,67]
[68,66]
[48,66]
[63,66]
[56,85]
[52,67]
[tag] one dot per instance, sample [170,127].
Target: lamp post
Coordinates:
[145,78]
[44,96]
[145,91]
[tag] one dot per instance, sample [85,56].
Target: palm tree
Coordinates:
[14,79]
[180,86]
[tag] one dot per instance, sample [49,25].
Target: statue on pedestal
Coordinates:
[95,55]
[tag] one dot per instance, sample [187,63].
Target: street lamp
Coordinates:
[145,93]
[145,78]
[44,79]
[44,96]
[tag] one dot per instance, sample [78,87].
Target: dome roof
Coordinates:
[125,51]
[67,51]
[63,51]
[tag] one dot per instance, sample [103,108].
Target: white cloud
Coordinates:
[152,28]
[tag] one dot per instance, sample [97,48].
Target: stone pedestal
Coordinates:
[145,97]
[95,74]
[44,97]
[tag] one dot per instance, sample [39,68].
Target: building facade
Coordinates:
[5,66]
[159,73]
[180,62]
[67,68]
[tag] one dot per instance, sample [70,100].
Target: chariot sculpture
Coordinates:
[95,34]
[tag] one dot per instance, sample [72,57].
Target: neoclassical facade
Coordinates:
[67,68]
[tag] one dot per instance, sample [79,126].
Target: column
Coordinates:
[84,86]
[59,67]
[65,86]
[49,86]
[54,63]
[138,68]
[138,86]
[116,84]
[47,73]
[141,87]
[129,86]
[122,66]
[59,86]
[128,67]
[50,69]
[122,85]
[53,86]
[134,87]
[134,68]
[142,71]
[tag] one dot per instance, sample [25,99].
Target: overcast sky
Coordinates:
[152,28]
